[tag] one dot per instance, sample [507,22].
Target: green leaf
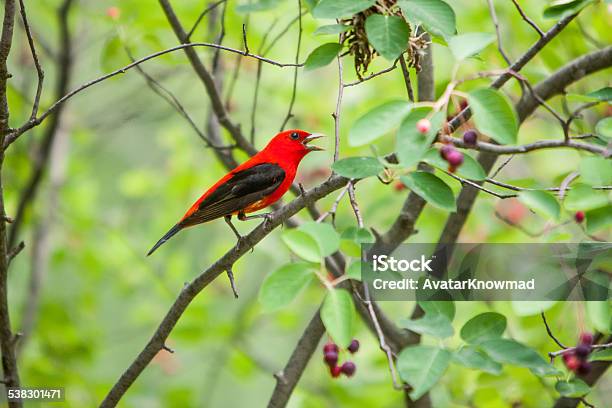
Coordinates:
[511,352]
[431,188]
[302,244]
[471,357]
[483,327]
[325,236]
[332,29]
[573,389]
[354,271]
[583,198]
[322,56]
[359,235]
[540,202]
[358,167]
[603,94]
[436,16]
[467,45]
[338,316]
[283,285]
[603,128]
[596,171]
[388,35]
[599,219]
[494,115]
[439,307]
[377,122]
[434,325]
[563,8]
[340,8]
[422,367]
[600,315]
[601,355]
[470,169]
[411,144]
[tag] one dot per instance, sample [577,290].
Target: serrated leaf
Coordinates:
[467,45]
[411,144]
[388,35]
[431,188]
[470,169]
[604,128]
[573,388]
[325,236]
[283,285]
[433,325]
[494,115]
[377,122]
[471,357]
[562,8]
[322,56]
[358,167]
[332,29]
[436,16]
[340,8]
[584,198]
[302,244]
[422,367]
[483,327]
[338,316]
[512,352]
[540,202]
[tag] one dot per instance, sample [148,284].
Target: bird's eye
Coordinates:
[294,136]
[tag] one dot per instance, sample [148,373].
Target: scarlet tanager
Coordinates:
[255,184]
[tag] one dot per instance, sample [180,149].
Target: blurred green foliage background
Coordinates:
[126,166]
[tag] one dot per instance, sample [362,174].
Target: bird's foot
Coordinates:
[230,275]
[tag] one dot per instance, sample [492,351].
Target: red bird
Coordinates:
[253,185]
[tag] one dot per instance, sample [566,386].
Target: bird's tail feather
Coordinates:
[166,237]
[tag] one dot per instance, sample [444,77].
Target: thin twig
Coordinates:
[406,75]
[336,114]
[542,144]
[550,333]
[39,71]
[371,76]
[201,16]
[527,19]
[295,72]
[497,32]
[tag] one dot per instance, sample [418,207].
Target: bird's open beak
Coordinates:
[309,139]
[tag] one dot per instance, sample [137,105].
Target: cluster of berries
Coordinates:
[453,156]
[576,359]
[330,356]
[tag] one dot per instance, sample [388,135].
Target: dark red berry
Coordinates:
[354,346]
[454,158]
[586,338]
[582,350]
[463,104]
[572,363]
[331,358]
[335,371]
[470,137]
[567,355]
[579,216]
[584,368]
[445,150]
[329,347]
[348,368]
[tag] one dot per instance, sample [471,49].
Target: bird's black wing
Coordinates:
[243,189]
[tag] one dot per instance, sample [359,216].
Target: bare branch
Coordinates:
[541,144]
[295,72]
[201,16]
[39,71]
[527,19]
